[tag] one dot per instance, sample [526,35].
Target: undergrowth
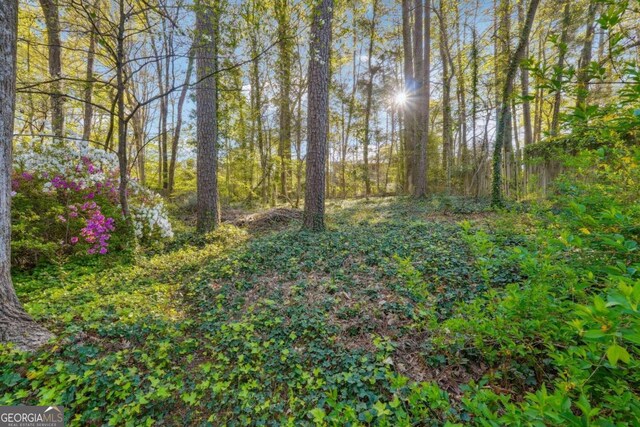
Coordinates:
[405,312]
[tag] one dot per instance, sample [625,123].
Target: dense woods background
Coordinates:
[409,104]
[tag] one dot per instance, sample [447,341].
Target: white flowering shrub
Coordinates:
[66,198]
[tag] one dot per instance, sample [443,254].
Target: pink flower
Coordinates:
[62,218]
[74,240]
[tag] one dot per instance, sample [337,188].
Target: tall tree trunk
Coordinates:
[447,74]
[168,48]
[282,12]
[352,104]
[409,84]
[88,90]
[502,129]
[123,163]
[474,108]
[559,74]
[176,133]
[367,112]
[418,76]
[585,57]
[318,115]
[52,20]
[421,175]
[420,188]
[526,104]
[208,213]
[298,145]
[16,326]
[463,151]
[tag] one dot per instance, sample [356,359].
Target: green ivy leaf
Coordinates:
[615,353]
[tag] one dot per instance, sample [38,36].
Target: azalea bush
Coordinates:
[65,201]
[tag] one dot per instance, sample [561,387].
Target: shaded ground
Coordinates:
[258,330]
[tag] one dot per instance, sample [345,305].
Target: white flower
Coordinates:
[150,219]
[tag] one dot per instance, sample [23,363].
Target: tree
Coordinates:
[505,102]
[88,90]
[367,112]
[208,213]
[562,48]
[176,132]
[409,84]
[421,175]
[52,20]
[16,326]
[318,115]
[418,76]
[282,12]
[585,57]
[447,77]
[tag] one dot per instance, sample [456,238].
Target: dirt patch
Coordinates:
[272,219]
[231,215]
[456,217]
[409,361]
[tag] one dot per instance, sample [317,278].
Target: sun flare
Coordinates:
[400,98]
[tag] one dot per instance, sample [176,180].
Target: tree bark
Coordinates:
[16,326]
[123,163]
[502,129]
[367,113]
[282,12]
[425,95]
[176,133]
[447,75]
[418,76]
[409,84]
[52,20]
[564,40]
[88,90]
[208,213]
[318,115]
[585,57]
[526,104]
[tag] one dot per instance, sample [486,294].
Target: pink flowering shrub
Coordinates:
[65,201]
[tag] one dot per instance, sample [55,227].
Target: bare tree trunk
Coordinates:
[88,90]
[418,76]
[208,212]
[282,12]
[564,39]
[504,110]
[352,103]
[52,20]
[176,133]
[16,326]
[421,175]
[474,108]
[318,115]
[585,57]
[526,104]
[123,163]
[299,146]
[409,139]
[447,74]
[367,113]
[257,130]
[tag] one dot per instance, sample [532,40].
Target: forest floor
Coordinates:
[264,324]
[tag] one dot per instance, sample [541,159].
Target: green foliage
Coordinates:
[353,326]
